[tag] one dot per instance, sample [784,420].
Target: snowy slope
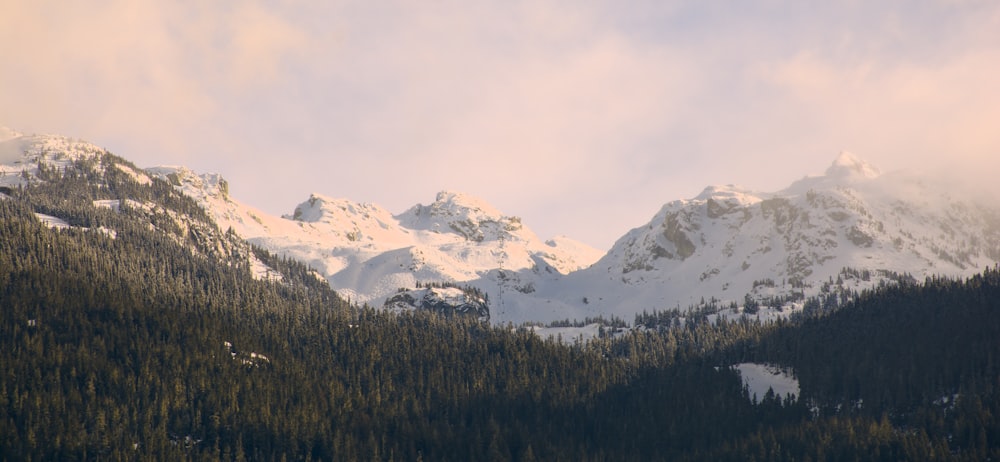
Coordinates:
[761,378]
[728,242]
[21,155]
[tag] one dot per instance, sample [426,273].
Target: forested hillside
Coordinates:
[155,341]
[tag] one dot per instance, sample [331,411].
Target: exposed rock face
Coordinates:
[445,300]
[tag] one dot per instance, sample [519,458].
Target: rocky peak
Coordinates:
[190,181]
[468,216]
[320,208]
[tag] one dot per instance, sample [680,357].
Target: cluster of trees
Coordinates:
[124,348]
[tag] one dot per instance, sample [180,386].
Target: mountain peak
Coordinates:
[192,183]
[452,200]
[321,208]
[455,205]
[849,165]
[466,215]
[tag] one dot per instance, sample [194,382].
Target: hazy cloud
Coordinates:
[583,117]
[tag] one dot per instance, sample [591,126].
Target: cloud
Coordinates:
[526,101]
[150,71]
[584,117]
[938,115]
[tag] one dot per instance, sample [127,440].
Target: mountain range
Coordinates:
[850,228]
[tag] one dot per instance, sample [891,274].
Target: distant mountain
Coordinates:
[367,254]
[736,245]
[730,248]
[76,184]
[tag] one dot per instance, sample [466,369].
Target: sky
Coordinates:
[582,117]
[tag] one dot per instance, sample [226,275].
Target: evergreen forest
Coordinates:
[154,341]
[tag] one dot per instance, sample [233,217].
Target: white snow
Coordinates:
[260,271]
[108,232]
[848,164]
[139,177]
[52,222]
[59,223]
[20,153]
[112,204]
[726,241]
[759,378]
[569,335]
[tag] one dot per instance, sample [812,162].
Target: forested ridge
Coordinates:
[155,342]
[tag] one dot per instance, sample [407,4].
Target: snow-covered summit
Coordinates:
[848,165]
[323,209]
[472,218]
[452,203]
[22,154]
[726,192]
[51,149]
[847,171]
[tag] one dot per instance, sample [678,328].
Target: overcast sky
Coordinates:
[583,117]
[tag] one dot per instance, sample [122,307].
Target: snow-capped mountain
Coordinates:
[727,245]
[76,183]
[727,242]
[367,254]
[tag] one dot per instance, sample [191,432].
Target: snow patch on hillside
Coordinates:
[111,204]
[759,378]
[569,335]
[260,271]
[52,222]
[58,224]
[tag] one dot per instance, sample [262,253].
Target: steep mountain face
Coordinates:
[737,245]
